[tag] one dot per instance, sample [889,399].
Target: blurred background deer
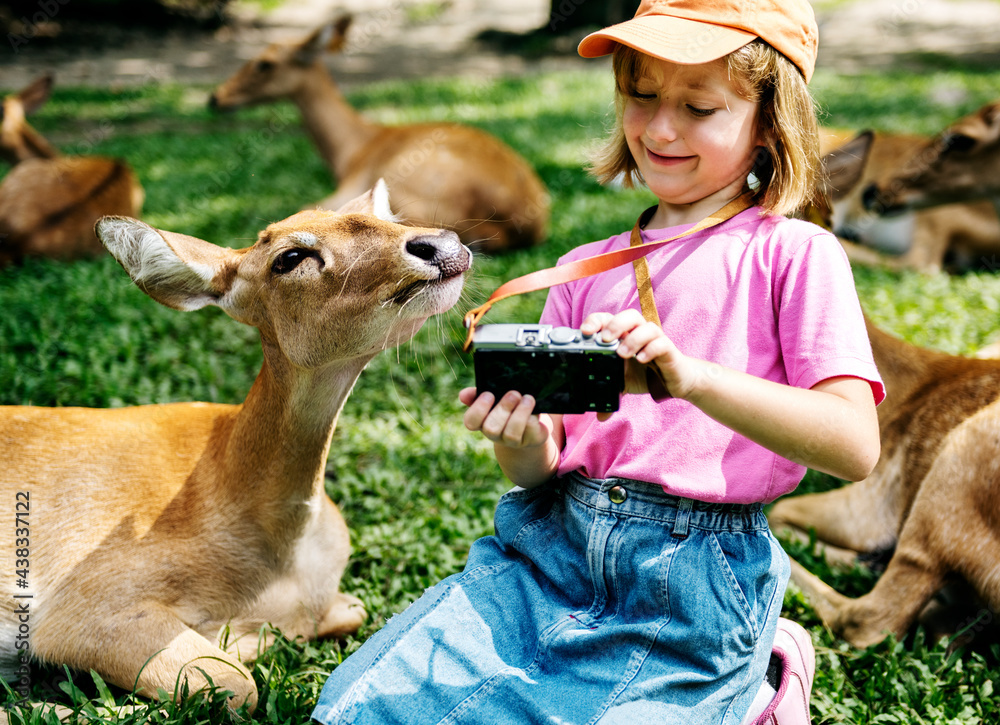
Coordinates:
[50,202]
[961,163]
[953,237]
[441,174]
[161,530]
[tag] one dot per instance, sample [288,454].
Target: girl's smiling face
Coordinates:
[692,135]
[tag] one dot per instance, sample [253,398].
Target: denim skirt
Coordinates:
[596,601]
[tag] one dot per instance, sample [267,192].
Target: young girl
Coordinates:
[632,577]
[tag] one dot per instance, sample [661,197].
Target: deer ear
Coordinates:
[339,37]
[35,94]
[327,37]
[174,269]
[375,201]
[991,116]
[844,166]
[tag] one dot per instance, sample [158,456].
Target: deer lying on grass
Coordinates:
[441,174]
[49,202]
[932,495]
[961,163]
[953,237]
[152,528]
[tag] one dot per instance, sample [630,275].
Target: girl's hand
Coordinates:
[527,446]
[509,421]
[643,343]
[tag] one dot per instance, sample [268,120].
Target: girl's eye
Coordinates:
[643,96]
[701,112]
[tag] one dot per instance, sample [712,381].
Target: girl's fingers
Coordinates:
[595,322]
[642,339]
[518,424]
[467,396]
[479,408]
[622,324]
[507,421]
[660,346]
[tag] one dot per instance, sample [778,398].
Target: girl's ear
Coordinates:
[762,169]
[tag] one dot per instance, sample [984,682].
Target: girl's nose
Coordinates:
[662,124]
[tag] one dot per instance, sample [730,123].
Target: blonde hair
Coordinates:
[788,169]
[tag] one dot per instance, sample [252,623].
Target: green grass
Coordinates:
[415,487]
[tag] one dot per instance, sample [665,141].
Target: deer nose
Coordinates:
[443,251]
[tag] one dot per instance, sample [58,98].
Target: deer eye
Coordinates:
[264,66]
[958,143]
[287,261]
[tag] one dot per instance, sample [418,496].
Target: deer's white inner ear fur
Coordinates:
[154,266]
[380,202]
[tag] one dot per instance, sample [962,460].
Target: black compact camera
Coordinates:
[565,371]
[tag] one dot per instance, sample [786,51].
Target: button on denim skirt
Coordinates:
[596,601]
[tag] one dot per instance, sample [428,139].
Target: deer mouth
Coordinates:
[404,295]
[434,295]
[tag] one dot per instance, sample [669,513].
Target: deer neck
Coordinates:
[27,144]
[335,127]
[280,438]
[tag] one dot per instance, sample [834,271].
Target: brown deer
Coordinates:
[19,141]
[441,174]
[50,202]
[931,497]
[146,531]
[953,237]
[961,163]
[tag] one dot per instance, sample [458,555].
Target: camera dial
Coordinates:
[563,335]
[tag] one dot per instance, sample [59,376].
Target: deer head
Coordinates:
[320,285]
[282,70]
[18,140]
[962,163]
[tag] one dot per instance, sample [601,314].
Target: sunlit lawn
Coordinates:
[414,485]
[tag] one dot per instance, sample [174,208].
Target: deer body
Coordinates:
[441,174]
[155,527]
[955,236]
[932,495]
[50,202]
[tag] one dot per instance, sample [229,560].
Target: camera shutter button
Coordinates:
[562,335]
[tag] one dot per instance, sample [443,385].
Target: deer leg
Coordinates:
[911,579]
[248,638]
[930,243]
[305,602]
[344,616]
[153,650]
[849,520]
[892,606]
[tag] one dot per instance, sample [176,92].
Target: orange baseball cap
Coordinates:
[699,31]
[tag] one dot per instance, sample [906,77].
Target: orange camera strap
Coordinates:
[580,268]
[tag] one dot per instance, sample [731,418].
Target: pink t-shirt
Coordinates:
[770,296]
